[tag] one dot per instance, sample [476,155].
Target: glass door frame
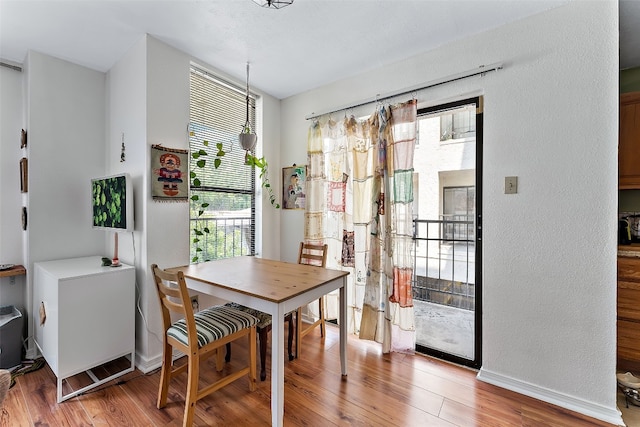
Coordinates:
[476,362]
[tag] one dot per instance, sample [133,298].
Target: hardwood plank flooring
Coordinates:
[380,390]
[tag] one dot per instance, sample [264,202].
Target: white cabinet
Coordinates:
[89,316]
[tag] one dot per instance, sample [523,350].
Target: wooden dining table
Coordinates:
[276,288]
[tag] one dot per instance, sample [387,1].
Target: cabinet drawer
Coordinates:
[629,301]
[628,340]
[628,268]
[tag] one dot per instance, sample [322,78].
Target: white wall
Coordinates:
[550,118]
[268,234]
[11,122]
[76,119]
[127,115]
[66,125]
[65,121]
[149,101]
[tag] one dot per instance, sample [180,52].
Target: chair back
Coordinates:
[313,254]
[174,298]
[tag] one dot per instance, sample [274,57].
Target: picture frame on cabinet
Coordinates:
[24,175]
[23,138]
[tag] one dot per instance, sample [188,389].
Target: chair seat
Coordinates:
[264,319]
[213,324]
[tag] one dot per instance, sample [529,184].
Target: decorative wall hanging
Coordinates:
[122,153]
[293,187]
[169,181]
[24,175]
[23,138]
[24,217]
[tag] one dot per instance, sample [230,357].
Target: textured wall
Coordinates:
[550,250]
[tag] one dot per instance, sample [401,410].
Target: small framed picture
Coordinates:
[23,138]
[293,187]
[24,175]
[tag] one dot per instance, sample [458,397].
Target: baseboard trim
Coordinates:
[146,365]
[613,416]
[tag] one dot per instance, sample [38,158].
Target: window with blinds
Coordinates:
[217,115]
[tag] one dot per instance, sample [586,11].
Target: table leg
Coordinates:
[343,327]
[277,369]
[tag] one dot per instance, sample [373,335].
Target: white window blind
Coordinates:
[217,115]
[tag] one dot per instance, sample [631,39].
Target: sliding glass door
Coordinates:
[447,232]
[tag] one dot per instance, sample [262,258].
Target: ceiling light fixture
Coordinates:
[273,4]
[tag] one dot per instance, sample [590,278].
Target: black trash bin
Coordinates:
[10,338]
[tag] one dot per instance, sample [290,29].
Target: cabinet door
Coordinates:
[45,292]
[96,319]
[628,269]
[629,301]
[629,143]
[628,341]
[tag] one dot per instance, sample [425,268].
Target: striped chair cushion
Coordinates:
[212,324]
[264,319]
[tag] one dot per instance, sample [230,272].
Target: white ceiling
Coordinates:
[291,50]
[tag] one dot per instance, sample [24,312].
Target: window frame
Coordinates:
[206,124]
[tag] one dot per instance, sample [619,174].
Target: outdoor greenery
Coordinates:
[215,237]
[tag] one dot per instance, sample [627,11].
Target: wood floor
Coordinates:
[380,390]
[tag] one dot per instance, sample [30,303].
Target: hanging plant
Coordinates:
[247,138]
[201,162]
[200,157]
[261,163]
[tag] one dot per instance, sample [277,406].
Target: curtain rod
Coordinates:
[481,70]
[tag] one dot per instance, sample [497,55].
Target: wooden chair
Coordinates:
[5,383]
[312,254]
[263,328]
[199,336]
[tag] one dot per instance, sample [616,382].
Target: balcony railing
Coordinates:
[444,261]
[228,237]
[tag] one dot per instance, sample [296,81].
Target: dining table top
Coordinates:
[275,281]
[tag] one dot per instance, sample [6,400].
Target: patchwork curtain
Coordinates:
[360,194]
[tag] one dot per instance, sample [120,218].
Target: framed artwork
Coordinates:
[24,175]
[24,217]
[293,187]
[169,174]
[23,138]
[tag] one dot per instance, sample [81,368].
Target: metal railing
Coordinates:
[228,237]
[444,261]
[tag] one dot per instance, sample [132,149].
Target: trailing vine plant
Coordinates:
[261,163]
[201,162]
[201,205]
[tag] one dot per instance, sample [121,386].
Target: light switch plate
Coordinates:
[510,184]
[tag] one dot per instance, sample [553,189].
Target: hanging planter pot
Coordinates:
[248,140]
